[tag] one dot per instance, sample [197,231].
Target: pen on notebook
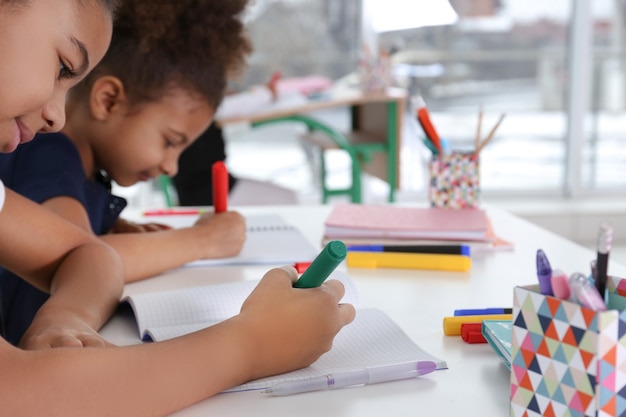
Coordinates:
[482,311]
[369,375]
[442,249]
[220,186]
[323,265]
[544,273]
[605,240]
[423,118]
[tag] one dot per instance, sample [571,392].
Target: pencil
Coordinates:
[478,129]
[491,134]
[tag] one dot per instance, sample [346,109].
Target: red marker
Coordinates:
[301,266]
[424,119]
[220,187]
[472,333]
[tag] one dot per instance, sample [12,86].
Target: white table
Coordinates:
[476,383]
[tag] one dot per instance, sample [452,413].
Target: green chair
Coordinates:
[326,137]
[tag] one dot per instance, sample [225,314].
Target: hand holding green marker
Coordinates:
[323,265]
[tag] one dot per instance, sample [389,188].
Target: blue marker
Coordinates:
[544,273]
[483,311]
[440,249]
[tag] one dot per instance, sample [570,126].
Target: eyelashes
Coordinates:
[65,72]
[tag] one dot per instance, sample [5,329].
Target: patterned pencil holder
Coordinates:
[454,180]
[568,360]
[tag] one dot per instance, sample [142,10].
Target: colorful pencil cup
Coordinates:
[454,180]
[568,360]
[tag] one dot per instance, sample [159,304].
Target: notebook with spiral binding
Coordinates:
[270,240]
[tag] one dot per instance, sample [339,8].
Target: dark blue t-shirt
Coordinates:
[49,167]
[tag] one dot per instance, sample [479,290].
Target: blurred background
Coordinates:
[556,68]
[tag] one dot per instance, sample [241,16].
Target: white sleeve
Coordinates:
[2,194]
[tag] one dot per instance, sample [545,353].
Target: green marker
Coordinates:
[323,265]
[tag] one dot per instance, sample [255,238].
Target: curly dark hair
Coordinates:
[161,44]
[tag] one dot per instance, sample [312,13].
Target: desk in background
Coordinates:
[373,143]
[476,383]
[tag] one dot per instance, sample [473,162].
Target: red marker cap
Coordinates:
[472,333]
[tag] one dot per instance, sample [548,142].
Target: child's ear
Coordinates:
[107,96]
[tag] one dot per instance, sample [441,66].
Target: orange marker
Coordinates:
[424,119]
[220,186]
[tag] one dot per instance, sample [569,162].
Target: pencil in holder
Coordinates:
[568,360]
[454,180]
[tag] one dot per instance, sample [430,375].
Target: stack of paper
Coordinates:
[370,224]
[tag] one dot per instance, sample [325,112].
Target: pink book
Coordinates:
[384,221]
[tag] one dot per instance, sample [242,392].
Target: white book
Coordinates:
[372,339]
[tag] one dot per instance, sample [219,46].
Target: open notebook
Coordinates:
[372,339]
[269,240]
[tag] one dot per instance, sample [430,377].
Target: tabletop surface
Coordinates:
[476,383]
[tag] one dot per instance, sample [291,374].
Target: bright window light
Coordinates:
[389,15]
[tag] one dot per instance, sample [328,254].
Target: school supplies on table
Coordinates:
[586,347]
[424,249]
[365,376]
[544,273]
[373,221]
[472,333]
[423,117]
[427,261]
[480,144]
[482,311]
[350,224]
[452,324]
[371,340]
[498,334]
[605,240]
[270,240]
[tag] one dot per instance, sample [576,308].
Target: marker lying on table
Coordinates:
[426,261]
[442,249]
[482,311]
[220,186]
[452,325]
[370,375]
[323,265]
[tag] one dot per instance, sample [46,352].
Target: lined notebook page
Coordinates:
[270,240]
[166,314]
[372,339]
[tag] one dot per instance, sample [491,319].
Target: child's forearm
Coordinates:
[89,283]
[147,380]
[147,254]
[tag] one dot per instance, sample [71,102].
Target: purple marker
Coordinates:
[544,273]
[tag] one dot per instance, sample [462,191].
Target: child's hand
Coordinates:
[126,226]
[222,235]
[289,328]
[60,330]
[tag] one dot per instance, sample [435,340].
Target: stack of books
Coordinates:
[411,237]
